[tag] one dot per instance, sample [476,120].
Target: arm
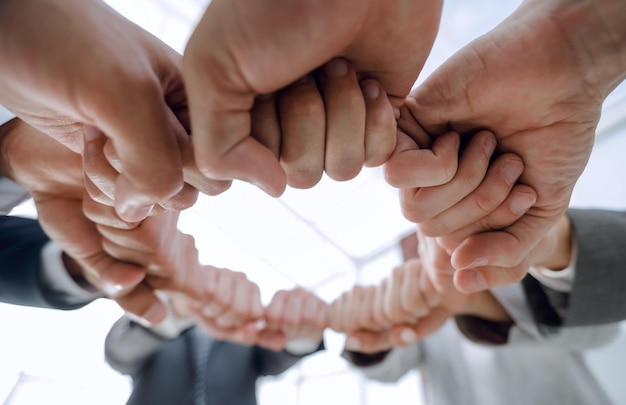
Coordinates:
[128,346]
[26,278]
[133,92]
[550,125]
[232,57]
[598,267]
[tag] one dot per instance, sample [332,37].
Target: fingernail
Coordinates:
[370,89]
[134,213]
[489,145]
[474,282]
[336,68]
[353,344]
[408,336]
[521,202]
[512,170]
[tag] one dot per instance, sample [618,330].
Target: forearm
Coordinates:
[596,34]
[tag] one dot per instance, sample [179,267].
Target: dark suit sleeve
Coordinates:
[599,291]
[269,362]
[21,242]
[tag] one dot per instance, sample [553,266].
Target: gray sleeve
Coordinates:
[527,332]
[599,288]
[128,346]
[11,195]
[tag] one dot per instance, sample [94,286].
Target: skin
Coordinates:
[227,64]
[65,90]
[558,60]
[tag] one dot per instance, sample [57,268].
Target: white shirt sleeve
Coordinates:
[172,326]
[558,280]
[56,277]
[5,115]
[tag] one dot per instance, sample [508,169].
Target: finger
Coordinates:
[345,120]
[224,291]
[303,125]
[271,339]
[410,168]
[355,305]
[363,341]
[276,310]
[266,123]
[516,204]
[400,336]
[105,215]
[242,304]
[437,266]
[245,334]
[380,320]
[488,196]
[365,317]
[508,247]
[144,304]
[411,296]
[100,175]
[184,199]
[380,124]
[393,298]
[192,175]
[144,140]
[426,203]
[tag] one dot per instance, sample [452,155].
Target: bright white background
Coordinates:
[326,239]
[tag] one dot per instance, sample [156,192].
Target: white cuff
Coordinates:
[300,347]
[56,277]
[173,325]
[5,115]
[558,280]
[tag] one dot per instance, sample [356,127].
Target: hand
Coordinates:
[226,306]
[293,315]
[538,84]
[119,264]
[56,184]
[478,195]
[239,51]
[326,121]
[100,71]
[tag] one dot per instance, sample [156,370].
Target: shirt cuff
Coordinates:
[300,347]
[558,280]
[57,278]
[173,325]
[5,115]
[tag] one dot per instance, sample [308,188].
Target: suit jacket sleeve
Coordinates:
[21,281]
[128,346]
[599,288]
[269,362]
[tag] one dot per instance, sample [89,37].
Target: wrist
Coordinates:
[560,251]
[596,35]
